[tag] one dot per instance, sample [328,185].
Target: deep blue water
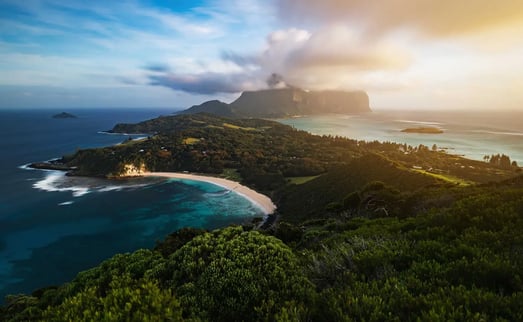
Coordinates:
[52,226]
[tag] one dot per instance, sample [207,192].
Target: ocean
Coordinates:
[53,226]
[472,134]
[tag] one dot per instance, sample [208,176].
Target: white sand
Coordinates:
[260,200]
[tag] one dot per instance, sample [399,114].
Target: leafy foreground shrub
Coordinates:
[234,275]
[225,275]
[126,300]
[98,289]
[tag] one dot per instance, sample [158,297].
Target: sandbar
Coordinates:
[258,199]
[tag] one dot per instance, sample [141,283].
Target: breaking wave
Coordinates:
[218,193]
[57,181]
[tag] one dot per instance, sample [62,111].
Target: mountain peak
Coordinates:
[282,102]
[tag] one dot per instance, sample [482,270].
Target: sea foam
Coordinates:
[57,181]
[54,182]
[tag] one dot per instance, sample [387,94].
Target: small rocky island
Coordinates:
[424,130]
[64,115]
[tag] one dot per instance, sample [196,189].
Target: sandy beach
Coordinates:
[262,201]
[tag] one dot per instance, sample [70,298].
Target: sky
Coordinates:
[424,54]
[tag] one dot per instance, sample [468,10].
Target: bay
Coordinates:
[52,226]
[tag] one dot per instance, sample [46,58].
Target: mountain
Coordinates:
[274,103]
[212,107]
[292,101]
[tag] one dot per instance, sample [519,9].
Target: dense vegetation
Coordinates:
[369,239]
[459,257]
[264,153]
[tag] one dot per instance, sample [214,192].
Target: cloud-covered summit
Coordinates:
[330,58]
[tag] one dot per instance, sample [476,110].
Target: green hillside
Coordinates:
[311,199]
[373,233]
[458,258]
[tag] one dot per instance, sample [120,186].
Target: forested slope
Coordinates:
[371,238]
[460,260]
[263,153]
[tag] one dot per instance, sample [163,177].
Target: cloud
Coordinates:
[114,40]
[157,67]
[204,83]
[276,81]
[433,18]
[240,60]
[331,57]
[340,47]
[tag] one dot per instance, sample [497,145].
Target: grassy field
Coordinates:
[446,177]
[190,141]
[301,180]
[236,127]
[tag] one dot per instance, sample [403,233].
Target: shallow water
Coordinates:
[472,134]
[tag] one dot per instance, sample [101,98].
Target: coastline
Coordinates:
[260,200]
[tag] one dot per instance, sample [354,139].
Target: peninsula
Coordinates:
[262,154]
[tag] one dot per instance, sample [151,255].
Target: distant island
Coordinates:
[285,102]
[424,130]
[64,115]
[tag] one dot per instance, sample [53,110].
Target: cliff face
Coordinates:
[275,103]
[269,103]
[291,101]
[338,102]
